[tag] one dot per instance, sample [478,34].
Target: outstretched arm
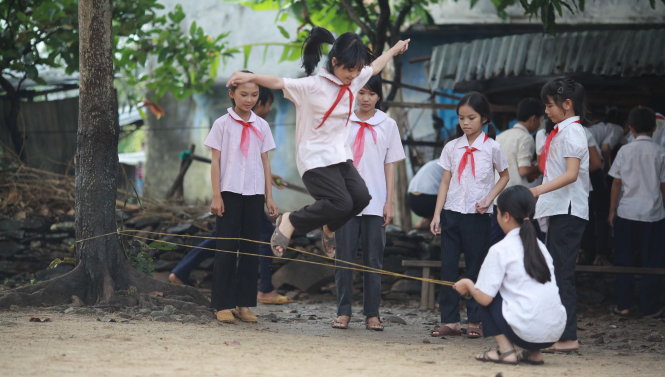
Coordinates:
[399,48]
[270,82]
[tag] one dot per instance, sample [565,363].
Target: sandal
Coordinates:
[278,239]
[329,244]
[485,357]
[474,332]
[275,300]
[338,323]
[523,357]
[445,331]
[375,326]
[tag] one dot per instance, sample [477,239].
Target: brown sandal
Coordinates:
[485,357]
[376,326]
[445,331]
[474,332]
[278,239]
[341,324]
[329,244]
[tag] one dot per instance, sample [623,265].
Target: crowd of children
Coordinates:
[518,289]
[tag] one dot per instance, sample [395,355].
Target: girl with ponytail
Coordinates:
[516,287]
[324,103]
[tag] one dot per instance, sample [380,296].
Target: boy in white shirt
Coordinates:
[636,211]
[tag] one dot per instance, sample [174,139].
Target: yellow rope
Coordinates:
[357,267]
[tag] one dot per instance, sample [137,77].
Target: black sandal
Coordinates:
[278,239]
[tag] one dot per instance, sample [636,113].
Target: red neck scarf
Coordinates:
[359,142]
[340,94]
[244,138]
[542,163]
[465,157]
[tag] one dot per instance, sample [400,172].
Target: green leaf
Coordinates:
[283,31]
[246,51]
[162,246]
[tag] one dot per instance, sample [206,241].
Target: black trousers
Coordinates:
[597,233]
[422,204]
[564,236]
[340,194]
[234,275]
[467,234]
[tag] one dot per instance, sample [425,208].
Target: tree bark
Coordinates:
[12,117]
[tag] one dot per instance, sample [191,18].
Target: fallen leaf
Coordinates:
[37,319]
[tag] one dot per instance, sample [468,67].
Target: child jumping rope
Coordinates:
[375,141]
[241,183]
[323,108]
[563,195]
[516,286]
[463,207]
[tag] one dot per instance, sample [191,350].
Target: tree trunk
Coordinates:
[12,117]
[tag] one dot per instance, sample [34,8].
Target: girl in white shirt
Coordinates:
[517,287]
[375,141]
[563,195]
[463,207]
[241,183]
[323,108]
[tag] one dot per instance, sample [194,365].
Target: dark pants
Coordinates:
[639,244]
[202,252]
[495,324]
[496,233]
[564,236]
[340,194]
[597,233]
[422,204]
[468,234]
[367,232]
[235,275]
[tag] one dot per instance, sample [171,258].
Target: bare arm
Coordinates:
[440,201]
[568,177]
[270,204]
[270,82]
[595,162]
[388,209]
[399,48]
[614,200]
[465,286]
[217,206]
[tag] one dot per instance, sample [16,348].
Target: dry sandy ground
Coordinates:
[293,340]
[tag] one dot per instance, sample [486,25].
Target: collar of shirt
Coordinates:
[232,114]
[520,126]
[514,232]
[377,118]
[643,137]
[325,74]
[464,141]
[566,122]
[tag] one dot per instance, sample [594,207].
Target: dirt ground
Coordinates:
[296,340]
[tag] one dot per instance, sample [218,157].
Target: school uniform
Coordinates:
[567,209]
[606,133]
[596,235]
[659,133]
[423,189]
[463,230]
[242,185]
[639,228]
[533,311]
[323,109]
[375,143]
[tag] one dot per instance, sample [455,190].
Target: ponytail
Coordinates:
[520,204]
[311,51]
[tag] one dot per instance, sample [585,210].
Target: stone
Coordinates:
[9,248]
[394,319]
[181,229]
[66,226]
[143,221]
[406,286]
[161,318]
[169,309]
[304,276]
[190,319]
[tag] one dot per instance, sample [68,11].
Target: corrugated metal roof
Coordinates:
[622,53]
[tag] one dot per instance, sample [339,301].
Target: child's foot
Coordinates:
[496,356]
[447,329]
[272,298]
[534,357]
[174,279]
[474,330]
[225,316]
[279,241]
[245,315]
[341,322]
[564,346]
[373,323]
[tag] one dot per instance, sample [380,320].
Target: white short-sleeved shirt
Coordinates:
[533,310]
[428,179]
[240,174]
[591,141]
[570,141]
[541,136]
[313,96]
[659,133]
[464,194]
[519,147]
[607,134]
[640,166]
[387,149]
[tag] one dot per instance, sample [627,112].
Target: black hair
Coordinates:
[549,126]
[561,89]
[265,96]
[348,50]
[375,85]
[233,88]
[529,107]
[642,119]
[520,204]
[479,103]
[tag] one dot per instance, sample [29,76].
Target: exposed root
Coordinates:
[47,293]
